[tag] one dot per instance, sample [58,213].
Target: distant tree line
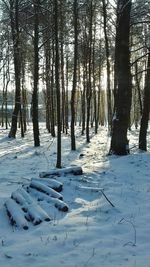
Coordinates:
[92,60]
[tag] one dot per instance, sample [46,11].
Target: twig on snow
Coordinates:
[97,189]
[107,198]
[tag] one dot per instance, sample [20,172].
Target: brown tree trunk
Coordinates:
[75,7]
[89,85]
[62,63]
[83,98]
[109,104]
[53,94]
[48,85]
[14,17]
[123,95]
[146,109]
[57,82]
[66,96]
[36,76]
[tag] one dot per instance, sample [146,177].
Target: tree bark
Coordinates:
[109,102]
[57,82]
[146,109]
[36,76]
[123,94]
[89,84]
[75,9]
[66,96]
[14,17]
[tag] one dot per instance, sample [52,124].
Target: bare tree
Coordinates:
[57,82]
[146,109]
[123,95]
[107,50]
[75,12]
[15,29]
[36,4]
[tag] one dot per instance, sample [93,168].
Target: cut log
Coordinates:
[34,212]
[40,196]
[37,214]
[16,214]
[75,170]
[45,189]
[55,185]
[28,199]
[18,198]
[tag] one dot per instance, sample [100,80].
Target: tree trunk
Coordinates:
[14,17]
[138,88]
[75,7]
[89,85]
[83,96]
[123,95]
[57,82]
[24,100]
[66,96]
[36,76]
[109,104]
[53,95]
[62,10]
[146,109]
[48,85]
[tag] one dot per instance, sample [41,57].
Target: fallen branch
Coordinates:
[92,189]
[107,198]
[97,189]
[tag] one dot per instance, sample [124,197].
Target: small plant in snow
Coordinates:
[55,238]
[134,229]
[93,254]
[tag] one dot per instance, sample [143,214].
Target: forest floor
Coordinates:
[92,232]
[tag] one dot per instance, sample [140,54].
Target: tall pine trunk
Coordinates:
[89,84]
[73,144]
[14,17]
[123,90]
[123,95]
[57,82]
[146,109]
[36,76]
[66,97]
[108,70]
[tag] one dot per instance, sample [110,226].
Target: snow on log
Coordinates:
[59,204]
[75,170]
[37,214]
[45,189]
[34,212]
[16,214]
[18,198]
[28,199]
[56,185]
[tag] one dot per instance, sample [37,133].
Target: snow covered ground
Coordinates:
[92,233]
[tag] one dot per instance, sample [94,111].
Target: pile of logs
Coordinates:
[24,205]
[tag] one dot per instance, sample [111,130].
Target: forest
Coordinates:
[74,133]
[86,63]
